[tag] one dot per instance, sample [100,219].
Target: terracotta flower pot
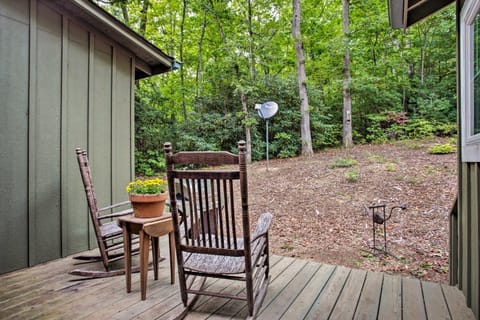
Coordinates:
[148,205]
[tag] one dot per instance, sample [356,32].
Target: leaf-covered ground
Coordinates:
[319,211]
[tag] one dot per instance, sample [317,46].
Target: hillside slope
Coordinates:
[319,212]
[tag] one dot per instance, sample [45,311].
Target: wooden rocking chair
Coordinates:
[107,231]
[212,240]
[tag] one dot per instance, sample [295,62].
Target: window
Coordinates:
[470,80]
[476,75]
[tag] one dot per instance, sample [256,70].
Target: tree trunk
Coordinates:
[302,81]
[253,71]
[126,19]
[253,75]
[199,77]
[248,137]
[243,97]
[423,51]
[423,29]
[182,74]
[143,17]
[347,98]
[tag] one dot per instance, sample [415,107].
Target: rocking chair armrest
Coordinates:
[263,224]
[116,205]
[116,214]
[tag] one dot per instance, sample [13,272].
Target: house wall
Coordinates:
[465,250]
[464,220]
[62,86]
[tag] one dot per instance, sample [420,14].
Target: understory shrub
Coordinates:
[352,175]
[149,163]
[285,145]
[442,149]
[388,126]
[342,163]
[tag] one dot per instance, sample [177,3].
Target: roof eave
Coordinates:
[156,59]
[403,14]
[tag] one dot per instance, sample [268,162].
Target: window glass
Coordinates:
[470,81]
[476,75]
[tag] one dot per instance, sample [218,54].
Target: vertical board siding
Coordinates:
[45,178]
[62,86]
[122,143]
[100,128]
[14,30]
[464,230]
[75,135]
[453,243]
[474,239]
[467,271]
[464,246]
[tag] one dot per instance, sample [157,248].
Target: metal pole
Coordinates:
[266,139]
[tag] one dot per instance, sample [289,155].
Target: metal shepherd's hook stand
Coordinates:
[379,218]
[266,141]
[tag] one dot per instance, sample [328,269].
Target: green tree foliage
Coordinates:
[403,83]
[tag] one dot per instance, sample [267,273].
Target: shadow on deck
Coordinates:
[298,289]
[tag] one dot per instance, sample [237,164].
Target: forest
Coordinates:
[400,84]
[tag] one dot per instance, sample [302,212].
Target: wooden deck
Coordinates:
[298,290]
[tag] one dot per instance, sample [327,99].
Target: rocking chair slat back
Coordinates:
[209,205]
[104,220]
[207,197]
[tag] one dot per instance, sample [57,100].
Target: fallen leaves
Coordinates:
[319,215]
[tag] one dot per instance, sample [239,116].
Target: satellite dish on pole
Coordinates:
[266,111]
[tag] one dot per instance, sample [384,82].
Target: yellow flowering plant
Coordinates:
[147,186]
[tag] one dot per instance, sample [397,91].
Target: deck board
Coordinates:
[206,306]
[347,302]
[276,286]
[456,303]
[435,305]
[302,304]
[277,307]
[327,299]
[413,306]
[298,289]
[234,307]
[391,299]
[370,297]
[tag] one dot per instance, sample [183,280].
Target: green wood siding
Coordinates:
[474,240]
[44,140]
[75,221]
[101,122]
[63,85]
[464,221]
[122,112]
[14,135]
[465,239]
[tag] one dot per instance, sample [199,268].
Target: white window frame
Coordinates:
[470,142]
